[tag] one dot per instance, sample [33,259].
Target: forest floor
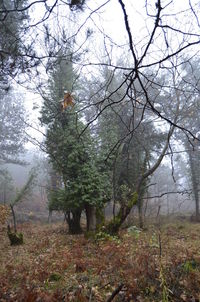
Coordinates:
[159,264]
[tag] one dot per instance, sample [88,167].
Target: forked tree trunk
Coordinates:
[73,219]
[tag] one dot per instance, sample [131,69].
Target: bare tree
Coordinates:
[157,38]
[161,37]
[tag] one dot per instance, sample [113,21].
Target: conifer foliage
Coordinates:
[72,153]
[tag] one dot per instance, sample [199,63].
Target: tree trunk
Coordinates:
[90,217]
[14,218]
[140,213]
[15,238]
[100,217]
[194,177]
[115,224]
[50,216]
[74,221]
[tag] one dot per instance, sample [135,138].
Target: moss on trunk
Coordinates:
[114,225]
[15,238]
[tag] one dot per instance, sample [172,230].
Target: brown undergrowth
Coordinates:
[154,265]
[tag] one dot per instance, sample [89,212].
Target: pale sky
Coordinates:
[110,21]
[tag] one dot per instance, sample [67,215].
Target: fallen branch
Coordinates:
[115,292]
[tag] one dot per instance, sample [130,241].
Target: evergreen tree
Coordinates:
[12,22]
[6,186]
[189,86]
[127,138]
[72,155]
[12,127]
[130,138]
[73,158]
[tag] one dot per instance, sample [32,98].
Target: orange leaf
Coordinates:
[68,101]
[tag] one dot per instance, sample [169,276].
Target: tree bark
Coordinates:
[90,217]
[194,178]
[50,216]
[100,217]
[73,219]
[140,213]
[14,218]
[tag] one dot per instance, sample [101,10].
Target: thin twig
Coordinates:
[115,292]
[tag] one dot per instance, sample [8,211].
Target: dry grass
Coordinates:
[154,265]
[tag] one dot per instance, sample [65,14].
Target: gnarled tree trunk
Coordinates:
[73,219]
